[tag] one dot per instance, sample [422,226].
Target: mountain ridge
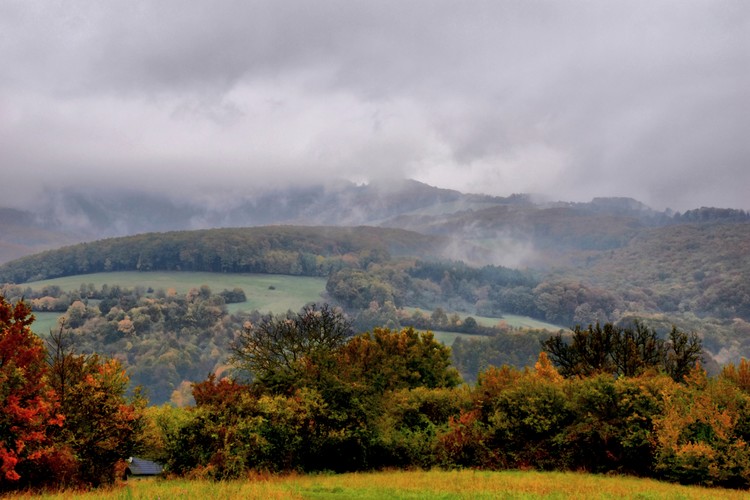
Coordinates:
[515,223]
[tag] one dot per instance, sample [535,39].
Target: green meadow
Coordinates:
[518,322]
[458,484]
[513,320]
[274,293]
[265,292]
[448,338]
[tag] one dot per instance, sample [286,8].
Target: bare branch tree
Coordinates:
[274,348]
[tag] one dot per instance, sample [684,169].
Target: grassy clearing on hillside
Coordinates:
[519,322]
[463,484]
[44,322]
[448,338]
[510,319]
[288,289]
[265,292]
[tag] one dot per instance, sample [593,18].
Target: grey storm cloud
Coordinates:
[569,99]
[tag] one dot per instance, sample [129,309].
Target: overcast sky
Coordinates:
[570,99]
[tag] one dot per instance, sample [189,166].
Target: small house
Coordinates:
[139,467]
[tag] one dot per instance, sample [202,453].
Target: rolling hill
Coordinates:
[606,260]
[513,222]
[295,250]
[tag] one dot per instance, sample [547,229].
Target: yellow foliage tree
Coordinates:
[544,369]
[739,375]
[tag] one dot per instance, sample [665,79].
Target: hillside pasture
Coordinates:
[274,293]
[516,321]
[448,338]
[45,322]
[512,320]
[456,484]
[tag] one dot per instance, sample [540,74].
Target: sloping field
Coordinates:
[182,281]
[265,292]
[448,338]
[513,320]
[519,322]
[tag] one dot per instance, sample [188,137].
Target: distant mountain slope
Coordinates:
[520,233]
[119,213]
[21,234]
[699,268]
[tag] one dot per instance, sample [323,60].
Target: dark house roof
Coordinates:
[141,467]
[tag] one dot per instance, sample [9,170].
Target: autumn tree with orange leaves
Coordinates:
[28,406]
[101,423]
[65,419]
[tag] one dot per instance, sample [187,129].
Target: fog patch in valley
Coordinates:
[496,248]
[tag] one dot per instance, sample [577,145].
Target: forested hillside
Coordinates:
[703,268]
[21,234]
[295,250]
[515,231]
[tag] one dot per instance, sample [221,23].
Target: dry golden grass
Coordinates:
[463,484]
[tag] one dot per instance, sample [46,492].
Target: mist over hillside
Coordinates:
[123,212]
[515,231]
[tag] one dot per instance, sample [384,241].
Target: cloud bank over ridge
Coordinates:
[648,99]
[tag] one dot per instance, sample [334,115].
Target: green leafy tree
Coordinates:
[410,421]
[612,425]
[439,317]
[388,360]
[524,417]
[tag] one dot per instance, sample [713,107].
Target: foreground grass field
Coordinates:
[412,485]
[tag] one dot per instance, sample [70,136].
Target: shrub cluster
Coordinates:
[694,432]
[391,399]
